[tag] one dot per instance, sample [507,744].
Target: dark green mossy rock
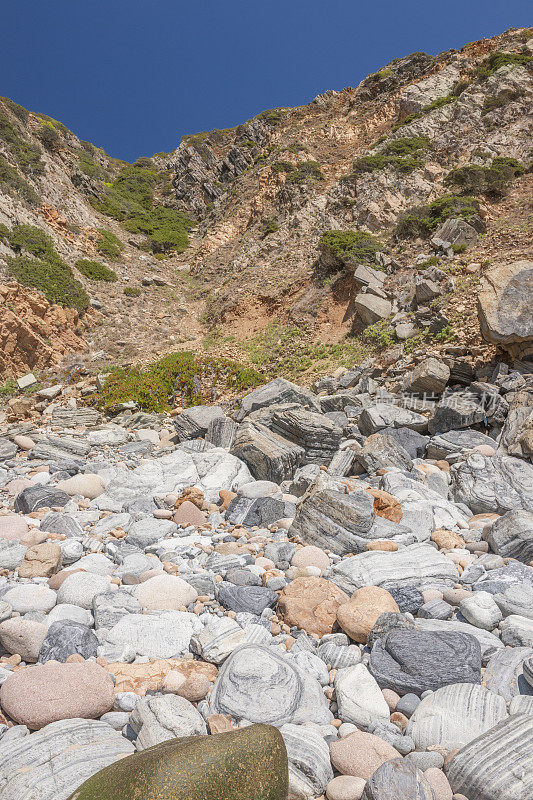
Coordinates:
[247,764]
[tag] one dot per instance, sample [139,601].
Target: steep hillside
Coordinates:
[221,242]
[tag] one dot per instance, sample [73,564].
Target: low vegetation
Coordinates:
[303,172]
[95,271]
[109,245]
[404,155]
[500,100]
[493,181]
[132,291]
[424,220]
[130,199]
[14,184]
[497,60]
[27,156]
[179,377]
[38,266]
[350,247]
[438,103]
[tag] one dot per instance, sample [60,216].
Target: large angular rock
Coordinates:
[517,434]
[457,410]
[457,232]
[428,377]
[497,484]
[75,417]
[454,715]
[511,536]
[504,307]
[383,452]
[330,518]
[262,673]
[419,565]
[497,765]
[453,442]
[246,763]
[110,607]
[318,435]
[261,511]
[277,391]
[52,763]
[195,421]
[411,661]
[165,634]
[269,456]
[385,415]
[369,308]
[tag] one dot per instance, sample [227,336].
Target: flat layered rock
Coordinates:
[498,765]
[318,435]
[52,763]
[383,452]
[75,417]
[419,565]
[384,415]
[488,642]
[454,715]
[451,442]
[277,391]
[268,456]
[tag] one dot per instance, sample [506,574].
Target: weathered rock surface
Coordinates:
[504,307]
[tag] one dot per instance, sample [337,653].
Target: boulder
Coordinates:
[504,307]
[358,616]
[251,762]
[41,561]
[395,779]
[269,456]
[157,719]
[369,308]
[311,604]
[428,377]
[277,391]
[511,536]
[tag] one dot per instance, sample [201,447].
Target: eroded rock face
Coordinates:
[504,307]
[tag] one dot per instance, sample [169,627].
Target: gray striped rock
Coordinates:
[497,484]
[161,634]
[269,456]
[521,704]
[195,421]
[277,391]
[456,441]
[488,642]
[511,536]
[498,765]
[516,599]
[339,656]
[74,417]
[52,763]
[383,452]
[419,565]
[35,497]
[157,719]
[480,610]
[506,672]
[528,671]
[318,435]
[384,415]
[413,661]
[281,692]
[221,432]
[309,765]
[397,779]
[517,631]
[220,637]
[454,715]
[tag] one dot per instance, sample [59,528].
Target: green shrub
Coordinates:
[19,111]
[28,156]
[272,115]
[438,103]
[350,247]
[500,100]
[109,245]
[423,220]
[55,280]
[166,228]
[380,334]
[269,226]
[132,291]
[33,240]
[49,136]
[304,172]
[497,60]
[4,231]
[404,155]
[191,378]
[12,183]
[432,261]
[88,165]
[493,180]
[95,270]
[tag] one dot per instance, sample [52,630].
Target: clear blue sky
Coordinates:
[133,76]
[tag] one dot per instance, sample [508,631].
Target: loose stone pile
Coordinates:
[351,571]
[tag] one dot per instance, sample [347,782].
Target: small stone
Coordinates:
[165,592]
[23,637]
[311,604]
[41,560]
[358,616]
[86,484]
[345,787]
[189,514]
[360,754]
